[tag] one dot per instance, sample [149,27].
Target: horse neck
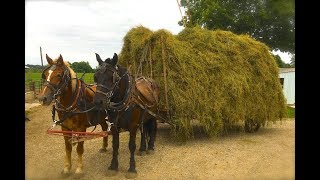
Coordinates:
[66,96]
[123,85]
[68,93]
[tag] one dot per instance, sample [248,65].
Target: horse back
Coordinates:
[149,89]
[90,91]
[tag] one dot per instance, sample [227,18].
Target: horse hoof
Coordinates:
[150,151]
[78,175]
[141,153]
[111,172]
[65,174]
[102,150]
[131,175]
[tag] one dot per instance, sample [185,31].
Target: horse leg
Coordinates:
[67,159]
[143,146]
[113,168]
[143,130]
[132,173]
[80,150]
[152,133]
[104,127]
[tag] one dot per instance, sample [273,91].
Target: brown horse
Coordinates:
[74,104]
[130,104]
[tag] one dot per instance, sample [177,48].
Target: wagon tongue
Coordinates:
[77,136]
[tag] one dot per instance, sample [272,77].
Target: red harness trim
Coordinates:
[78,136]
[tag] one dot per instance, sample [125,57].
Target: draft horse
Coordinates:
[74,105]
[130,104]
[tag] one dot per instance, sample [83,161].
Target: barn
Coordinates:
[287,80]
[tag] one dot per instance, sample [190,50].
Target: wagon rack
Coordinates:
[163,113]
[76,136]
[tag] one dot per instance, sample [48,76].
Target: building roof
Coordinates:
[286,70]
[26,67]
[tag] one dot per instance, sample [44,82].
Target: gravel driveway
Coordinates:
[266,154]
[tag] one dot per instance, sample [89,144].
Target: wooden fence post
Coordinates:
[32,86]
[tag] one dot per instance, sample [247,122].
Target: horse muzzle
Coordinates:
[45,100]
[101,104]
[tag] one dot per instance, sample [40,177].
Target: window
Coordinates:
[281,82]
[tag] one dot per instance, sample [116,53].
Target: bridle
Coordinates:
[116,78]
[57,89]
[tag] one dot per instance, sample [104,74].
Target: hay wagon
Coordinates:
[216,78]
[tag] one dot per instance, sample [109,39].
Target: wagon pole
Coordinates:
[150,60]
[165,76]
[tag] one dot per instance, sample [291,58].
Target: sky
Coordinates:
[77,29]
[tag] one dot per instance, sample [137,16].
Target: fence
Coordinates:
[34,85]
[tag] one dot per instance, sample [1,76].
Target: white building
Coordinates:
[287,80]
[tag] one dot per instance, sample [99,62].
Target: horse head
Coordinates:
[56,76]
[107,78]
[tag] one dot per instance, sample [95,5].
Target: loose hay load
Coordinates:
[215,77]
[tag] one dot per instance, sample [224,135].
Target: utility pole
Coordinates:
[41,56]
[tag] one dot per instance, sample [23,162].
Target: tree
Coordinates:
[280,63]
[35,68]
[293,61]
[269,21]
[82,67]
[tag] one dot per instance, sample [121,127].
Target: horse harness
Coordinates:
[78,104]
[131,97]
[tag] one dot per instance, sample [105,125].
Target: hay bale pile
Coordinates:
[215,77]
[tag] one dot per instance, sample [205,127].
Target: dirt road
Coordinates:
[266,154]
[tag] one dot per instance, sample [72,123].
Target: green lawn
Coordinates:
[291,112]
[29,76]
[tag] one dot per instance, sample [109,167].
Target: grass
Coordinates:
[291,112]
[30,76]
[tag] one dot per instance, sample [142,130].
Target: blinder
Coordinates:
[64,79]
[53,67]
[115,77]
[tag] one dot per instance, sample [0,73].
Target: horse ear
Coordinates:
[60,60]
[99,59]
[50,61]
[114,59]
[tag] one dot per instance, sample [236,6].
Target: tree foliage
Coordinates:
[82,67]
[280,63]
[269,21]
[293,61]
[35,68]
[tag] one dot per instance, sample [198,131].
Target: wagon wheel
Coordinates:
[251,126]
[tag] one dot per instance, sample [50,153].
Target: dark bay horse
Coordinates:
[74,105]
[130,104]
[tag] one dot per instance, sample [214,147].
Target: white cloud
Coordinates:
[78,29]
[285,57]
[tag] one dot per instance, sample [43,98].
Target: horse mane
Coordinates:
[73,75]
